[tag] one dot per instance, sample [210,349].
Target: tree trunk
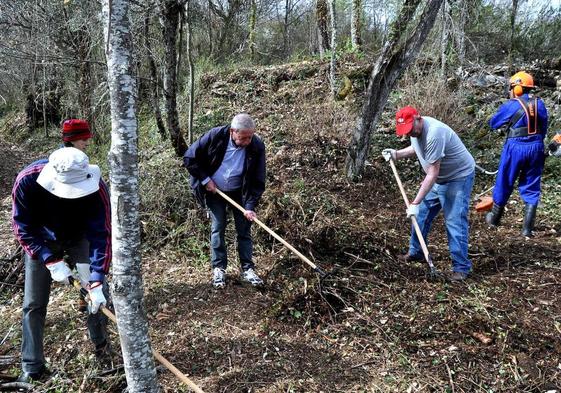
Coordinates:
[252,23]
[155,90]
[443,39]
[460,32]
[123,157]
[391,64]
[356,24]
[285,43]
[322,15]
[169,18]
[191,72]
[332,64]
[513,13]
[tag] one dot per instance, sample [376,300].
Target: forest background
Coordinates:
[301,69]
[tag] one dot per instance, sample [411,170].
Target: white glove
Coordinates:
[389,154]
[97,298]
[83,270]
[412,210]
[59,271]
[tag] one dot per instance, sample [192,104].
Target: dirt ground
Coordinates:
[373,325]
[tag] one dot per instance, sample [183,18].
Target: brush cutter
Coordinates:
[484,203]
[432,270]
[316,268]
[182,377]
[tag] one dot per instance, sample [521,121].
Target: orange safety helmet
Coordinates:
[520,80]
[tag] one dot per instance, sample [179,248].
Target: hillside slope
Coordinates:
[374,325]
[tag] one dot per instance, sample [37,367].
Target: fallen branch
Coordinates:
[15,386]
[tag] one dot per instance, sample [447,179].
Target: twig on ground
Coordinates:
[7,335]
[450,377]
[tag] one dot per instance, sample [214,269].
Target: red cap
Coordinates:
[75,130]
[404,119]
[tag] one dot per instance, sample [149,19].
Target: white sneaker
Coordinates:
[251,277]
[218,278]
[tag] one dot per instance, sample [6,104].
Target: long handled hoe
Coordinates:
[432,270]
[280,239]
[182,377]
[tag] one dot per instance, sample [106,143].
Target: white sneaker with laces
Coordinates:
[251,277]
[218,278]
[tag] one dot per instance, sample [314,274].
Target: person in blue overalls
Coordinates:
[525,118]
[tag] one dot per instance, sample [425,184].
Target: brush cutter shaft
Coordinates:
[182,377]
[265,227]
[413,218]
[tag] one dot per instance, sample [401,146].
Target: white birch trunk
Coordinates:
[356,24]
[127,288]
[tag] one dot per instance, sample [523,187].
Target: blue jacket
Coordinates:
[205,155]
[507,110]
[39,216]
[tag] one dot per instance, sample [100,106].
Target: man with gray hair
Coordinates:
[230,159]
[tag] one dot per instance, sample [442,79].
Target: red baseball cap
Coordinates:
[75,129]
[404,119]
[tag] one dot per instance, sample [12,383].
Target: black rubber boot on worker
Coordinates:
[529,220]
[493,218]
[40,375]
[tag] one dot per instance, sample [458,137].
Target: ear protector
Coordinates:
[517,90]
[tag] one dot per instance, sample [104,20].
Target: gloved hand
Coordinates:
[389,154]
[59,271]
[83,270]
[412,210]
[97,298]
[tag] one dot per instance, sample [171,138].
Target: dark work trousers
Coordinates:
[36,297]
[219,219]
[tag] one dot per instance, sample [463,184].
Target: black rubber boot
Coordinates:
[493,218]
[529,219]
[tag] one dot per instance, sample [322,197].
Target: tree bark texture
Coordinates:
[333,62]
[460,32]
[391,64]
[169,19]
[356,24]
[252,24]
[127,279]
[191,71]
[513,12]
[443,38]
[155,84]
[322,16]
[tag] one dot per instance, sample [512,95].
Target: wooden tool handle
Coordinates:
[413,218]
[265,227]
[182,377]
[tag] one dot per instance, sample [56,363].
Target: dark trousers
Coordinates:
[36,298]
[219,219]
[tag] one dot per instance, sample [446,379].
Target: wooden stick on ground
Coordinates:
[175,371]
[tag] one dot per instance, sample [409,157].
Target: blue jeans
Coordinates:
[219,218]
[453,198]
[36,298]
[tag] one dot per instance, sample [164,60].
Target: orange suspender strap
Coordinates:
[530,113]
